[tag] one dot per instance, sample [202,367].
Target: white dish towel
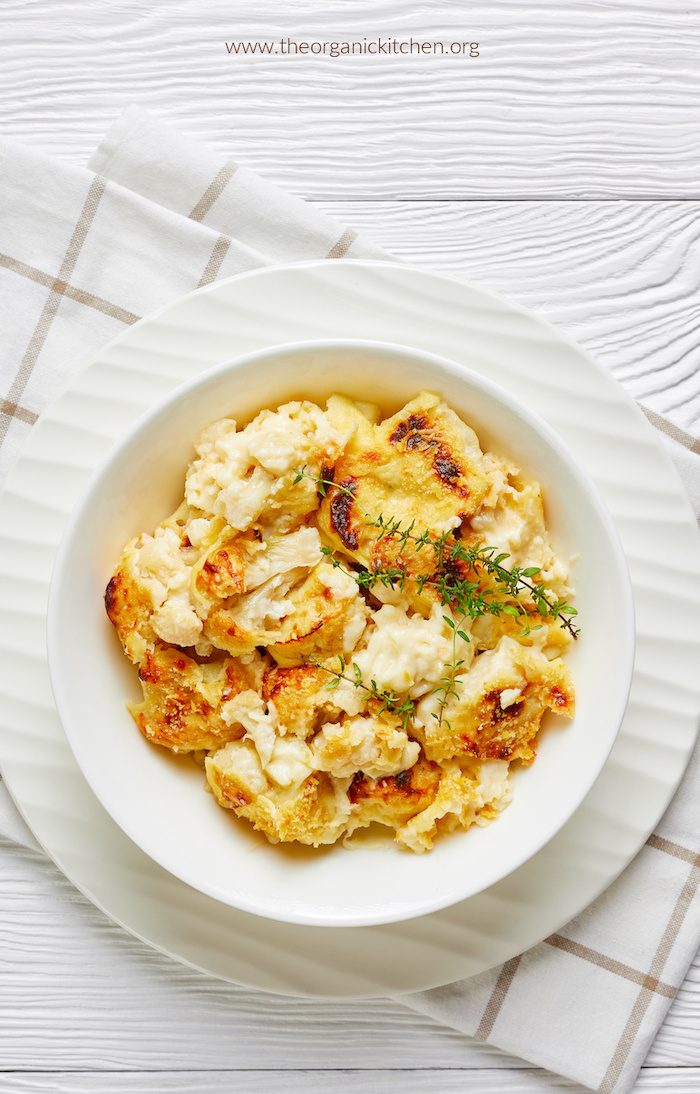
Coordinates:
[85,251]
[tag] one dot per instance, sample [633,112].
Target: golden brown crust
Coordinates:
[497,713]
[299,695]
[394,799]
[315,623]
[428,442]
[181,707]
[130,607]
[219,574]
[318,620]
[308,815]
[414,466]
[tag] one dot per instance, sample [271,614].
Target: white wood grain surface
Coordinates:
[583,113]
[387,1081]
[596,98]
[621,277]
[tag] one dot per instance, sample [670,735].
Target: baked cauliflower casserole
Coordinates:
[349,620]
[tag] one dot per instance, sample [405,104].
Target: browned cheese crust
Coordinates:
[315,624]
[130,608]
[476,722]
[395,799]
[300,697]
[181,706]
[306,816]
[218,574]
[415,466]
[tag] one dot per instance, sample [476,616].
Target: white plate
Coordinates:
[610,438]
[161,805]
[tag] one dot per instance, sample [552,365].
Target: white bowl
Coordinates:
[159,800]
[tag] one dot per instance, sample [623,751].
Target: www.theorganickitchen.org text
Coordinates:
[290,47]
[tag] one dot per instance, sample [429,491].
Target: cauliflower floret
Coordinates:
[285,762]
[291,762]
[464,797]
[283,553]
[176,621]
[409,653]
[259,612]
[511,518]
[243,500]
[161,563]
[496,708]
[183,701]
[247,709]
[269,575]
[293,614]
[148,596]
[279,802]
[249,475]
[301,697]
[367,744]
[162,567]
[201,484]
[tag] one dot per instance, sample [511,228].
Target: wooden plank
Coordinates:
[76,991]
[619,277]
[588,99]
[438,1081]
[398,1081]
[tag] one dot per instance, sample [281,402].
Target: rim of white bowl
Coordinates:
[319,917]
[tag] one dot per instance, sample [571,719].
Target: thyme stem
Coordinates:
[466,596]
[404,709]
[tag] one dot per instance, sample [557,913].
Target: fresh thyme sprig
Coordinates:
[446,688]
[467,598]
[403,708]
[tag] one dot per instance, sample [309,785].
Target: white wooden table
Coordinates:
[560,167]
